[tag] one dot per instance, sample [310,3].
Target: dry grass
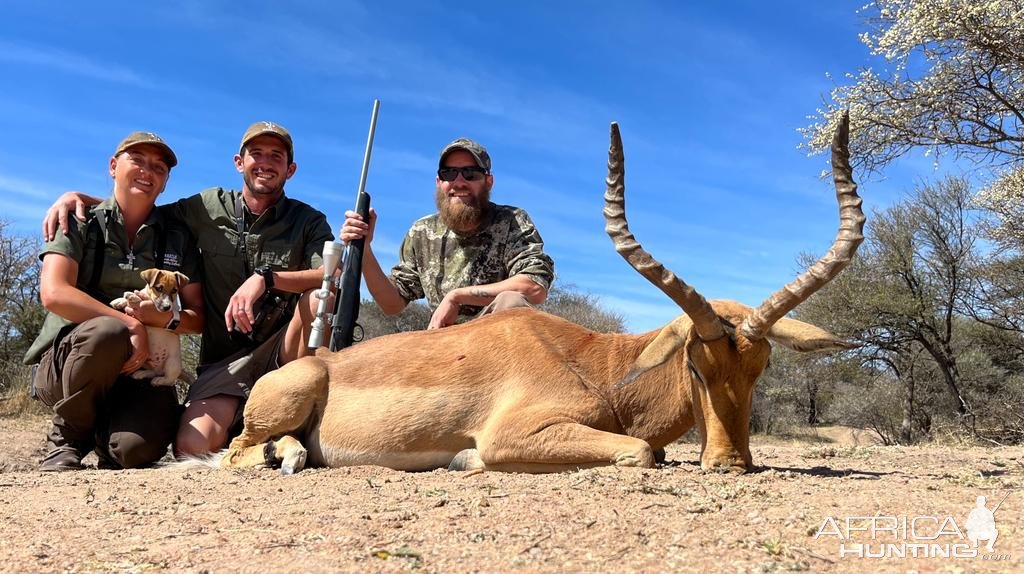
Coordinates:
[17,404]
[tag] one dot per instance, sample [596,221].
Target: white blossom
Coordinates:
[953,82]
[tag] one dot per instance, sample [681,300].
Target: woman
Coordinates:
[86,348]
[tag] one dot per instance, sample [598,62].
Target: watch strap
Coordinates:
[175,319]
[268,277]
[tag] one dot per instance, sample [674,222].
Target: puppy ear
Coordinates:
[182,279]
[150,275]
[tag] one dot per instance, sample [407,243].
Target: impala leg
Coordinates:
[556,447]
[286,452]
[281,404]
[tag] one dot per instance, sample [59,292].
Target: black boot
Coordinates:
[64,453]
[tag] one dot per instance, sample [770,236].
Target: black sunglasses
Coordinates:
[469,173]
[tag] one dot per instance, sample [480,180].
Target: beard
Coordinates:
[260,189]
[463,216]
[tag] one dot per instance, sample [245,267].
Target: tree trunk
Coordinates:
[950,373]
[812,401]
[906,425]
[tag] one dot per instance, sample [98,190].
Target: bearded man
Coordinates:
[471,258]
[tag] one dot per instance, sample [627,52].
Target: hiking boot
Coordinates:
[61,458]
[64,454]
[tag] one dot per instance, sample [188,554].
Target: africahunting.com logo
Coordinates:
[917,536]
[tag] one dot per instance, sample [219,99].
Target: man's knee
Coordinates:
[309,302]
[206,425]
[131,450]
[102,337]
[192,442]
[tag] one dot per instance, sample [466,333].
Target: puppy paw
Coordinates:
[120,303]
[162,381]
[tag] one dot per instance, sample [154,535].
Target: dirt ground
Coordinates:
[673,518]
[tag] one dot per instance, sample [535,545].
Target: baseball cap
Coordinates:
[479,153]
[268,128]
[138,138]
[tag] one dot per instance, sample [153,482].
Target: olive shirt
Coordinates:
[121,262]
[434,259]
[288,236]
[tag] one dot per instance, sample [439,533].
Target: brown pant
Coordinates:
[130,422]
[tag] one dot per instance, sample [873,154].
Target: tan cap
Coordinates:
[139,138]
[269,128]
[479,153]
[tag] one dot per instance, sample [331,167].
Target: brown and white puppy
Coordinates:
[162,287]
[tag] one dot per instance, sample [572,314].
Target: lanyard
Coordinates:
[242,235]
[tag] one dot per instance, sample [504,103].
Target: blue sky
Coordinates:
[708,95]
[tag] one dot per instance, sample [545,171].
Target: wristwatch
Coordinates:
[175,318]
[268,277]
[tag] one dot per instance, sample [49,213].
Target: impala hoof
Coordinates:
[468,459]
[293,462]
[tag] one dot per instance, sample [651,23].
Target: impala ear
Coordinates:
[804,337]
[662,348]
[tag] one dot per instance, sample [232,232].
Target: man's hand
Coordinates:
[139,340]
[57,215]
[355,227]
[240,313]
[445,314]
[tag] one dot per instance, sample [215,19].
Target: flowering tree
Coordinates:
[954,83]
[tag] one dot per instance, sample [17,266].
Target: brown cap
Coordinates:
[139,138]
[269,128]
[479,153]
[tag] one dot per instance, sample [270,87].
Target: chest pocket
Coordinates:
[283,253]
[218,245]
[170,251]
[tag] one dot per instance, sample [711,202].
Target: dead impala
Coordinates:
[524,391]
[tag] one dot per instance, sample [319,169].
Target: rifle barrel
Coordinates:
[346,309]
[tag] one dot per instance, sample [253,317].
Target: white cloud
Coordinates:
[70,63]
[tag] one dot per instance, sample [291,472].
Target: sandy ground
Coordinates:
[673,518]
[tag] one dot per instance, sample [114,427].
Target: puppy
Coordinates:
[164,362]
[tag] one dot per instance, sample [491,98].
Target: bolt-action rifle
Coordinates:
[346,302]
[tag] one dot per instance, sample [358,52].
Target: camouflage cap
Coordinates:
[138,138]
[268,128]
[479,153]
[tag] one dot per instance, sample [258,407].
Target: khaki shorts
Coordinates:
[236,374]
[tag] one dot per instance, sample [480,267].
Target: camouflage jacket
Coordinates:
[434,259]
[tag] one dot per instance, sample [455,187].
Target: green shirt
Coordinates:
[121,262]
[288,236]
[434,259]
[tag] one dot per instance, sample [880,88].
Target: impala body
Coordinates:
[524,391]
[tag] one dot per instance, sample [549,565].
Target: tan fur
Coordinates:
[164,363]
[523,390]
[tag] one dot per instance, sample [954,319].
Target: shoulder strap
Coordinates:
[242,239]
[94,232]
[161,246]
